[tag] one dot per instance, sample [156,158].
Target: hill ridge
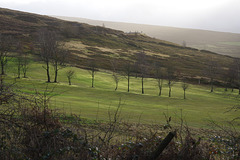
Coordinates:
[196,38]
[85,41]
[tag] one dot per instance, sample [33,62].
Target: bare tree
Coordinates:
[159,77]
[115,75]
[127,71]
[184,87]
[141,67]
[25,63]
[170,78]
[116,78]
[58,59]
[19,58]
[70,74]
[92,68]
[52,51]
[48,45]
[5,46]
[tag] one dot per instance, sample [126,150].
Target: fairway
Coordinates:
[96,103]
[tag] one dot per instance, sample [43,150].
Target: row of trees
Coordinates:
[8,44]
[50,48]
[140,68]
[53,53]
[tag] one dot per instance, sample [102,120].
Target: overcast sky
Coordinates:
[218,15]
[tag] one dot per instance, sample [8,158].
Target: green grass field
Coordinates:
[92,103]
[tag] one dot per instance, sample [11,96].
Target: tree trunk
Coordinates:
[2,66]
[142,86]
[69,81]
[116,86]
[19,70]
[170,90]
[92,79]
[24,68]
[56,73]
[160,87]
[24,73]
[211,85]
[48,74]
[1,84]
[184,94]
[128,81]
[1,87]
[160,91]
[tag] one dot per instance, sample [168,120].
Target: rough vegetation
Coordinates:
[31,130]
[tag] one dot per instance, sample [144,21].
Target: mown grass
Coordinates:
[96,103]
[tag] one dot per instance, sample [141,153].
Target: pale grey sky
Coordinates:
[218,15]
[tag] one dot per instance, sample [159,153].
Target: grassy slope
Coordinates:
[188,61]
[104,43]
[201,39]
[80,98]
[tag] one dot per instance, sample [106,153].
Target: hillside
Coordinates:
[85,42]
[92,115]
[219,42]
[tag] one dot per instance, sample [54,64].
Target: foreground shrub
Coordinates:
[30,130]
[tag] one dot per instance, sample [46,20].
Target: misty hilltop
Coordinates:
[219,42]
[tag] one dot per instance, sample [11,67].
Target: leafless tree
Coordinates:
[92,68]
[19,58]
[70,74]
[25,64]
[184,87]
[58,59]
[22,59]
[52,52]
[48,45]
[5,46]
[115,75]
[141,67]
[159,74]
[170,78]
[127,71]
